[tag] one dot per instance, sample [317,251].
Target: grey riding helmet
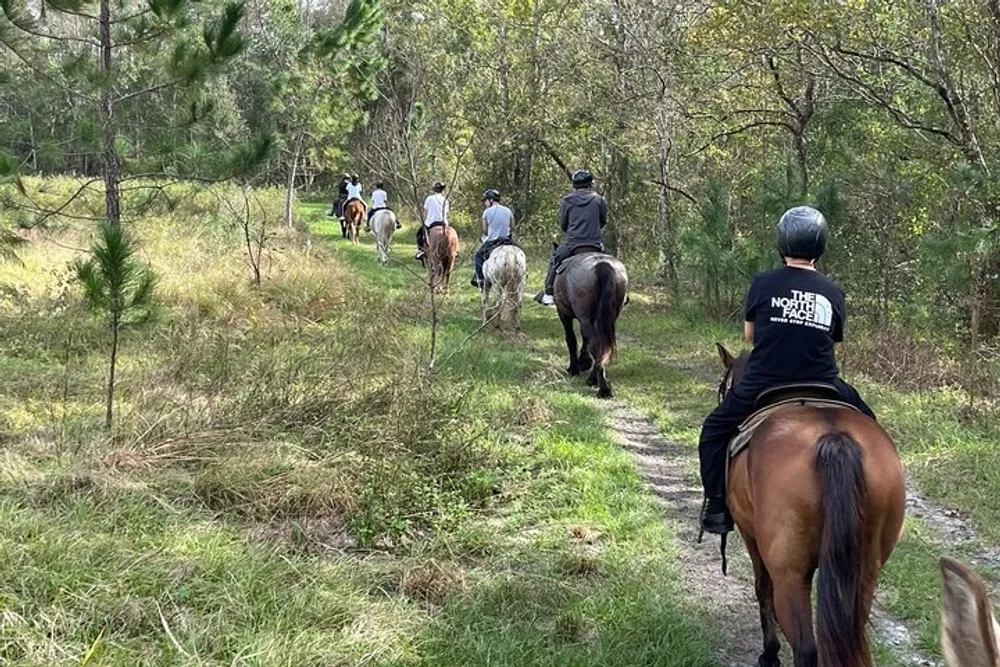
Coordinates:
[492,195]
[802,233]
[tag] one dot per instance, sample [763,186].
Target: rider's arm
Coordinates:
[748,332]
[563,216]
[602,207]
[485,224]
[839,317]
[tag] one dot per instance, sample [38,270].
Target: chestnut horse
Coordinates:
[442,249]
[354,216]
[816,488]
[969,632]
[591,288]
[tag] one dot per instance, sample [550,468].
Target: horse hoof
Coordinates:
[591,381]
[573,370]
[768,661]
[605,392]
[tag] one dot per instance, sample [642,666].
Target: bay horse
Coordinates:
[384,226]
[354,216]
[969,631]
[505,273]
[592,288]
[816,488]
[442,249]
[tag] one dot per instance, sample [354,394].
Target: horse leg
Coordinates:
[603,386]
[586,358]
[764,588]
[574,363]
[793,608]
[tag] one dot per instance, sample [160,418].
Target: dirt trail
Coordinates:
[670,474]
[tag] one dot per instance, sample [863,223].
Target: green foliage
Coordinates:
[114,283]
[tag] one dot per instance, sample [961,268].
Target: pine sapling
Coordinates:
[118,287]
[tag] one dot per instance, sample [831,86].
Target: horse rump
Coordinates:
[843,568]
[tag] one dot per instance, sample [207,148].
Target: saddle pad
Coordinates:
[589,249]
[749,426]
[498,243]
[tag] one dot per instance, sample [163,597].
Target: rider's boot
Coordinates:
[545,299]
[716,518]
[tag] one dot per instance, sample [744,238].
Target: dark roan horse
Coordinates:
[816,488]
[591,288]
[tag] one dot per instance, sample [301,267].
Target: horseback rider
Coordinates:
[435,214]
[338,203]
[498,229]
[582,215]
[380,202]
[794,314]
[354,189]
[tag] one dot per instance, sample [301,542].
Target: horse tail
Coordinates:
[604,315]
[840,609]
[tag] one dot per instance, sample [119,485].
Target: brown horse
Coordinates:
[591,288]
[969,632]
[817,487]
[354,216]
[442,249]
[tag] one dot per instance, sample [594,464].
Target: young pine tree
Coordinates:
[120,288]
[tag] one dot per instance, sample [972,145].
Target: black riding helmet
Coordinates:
[492,195]
[582,178]
[438,186]
[802,233]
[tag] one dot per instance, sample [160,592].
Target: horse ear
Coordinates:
[968,629]
[727,358]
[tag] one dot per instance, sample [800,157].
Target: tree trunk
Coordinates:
[112,163]
[290,190]
[802,160]
[109,414]
[522,185]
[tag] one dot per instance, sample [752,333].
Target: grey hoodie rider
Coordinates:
[583,213]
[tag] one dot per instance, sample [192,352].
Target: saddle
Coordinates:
[581,250]
[773,399]
[497,243]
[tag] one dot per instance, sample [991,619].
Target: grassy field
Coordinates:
[285,487]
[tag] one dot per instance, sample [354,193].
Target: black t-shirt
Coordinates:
[797,315]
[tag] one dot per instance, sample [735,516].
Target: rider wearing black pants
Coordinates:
[794,316]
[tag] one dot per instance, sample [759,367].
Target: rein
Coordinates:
[722,543]
[725,384]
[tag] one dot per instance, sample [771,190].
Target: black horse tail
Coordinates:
[602,320]
[843,567]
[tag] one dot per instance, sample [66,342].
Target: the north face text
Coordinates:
[804,308]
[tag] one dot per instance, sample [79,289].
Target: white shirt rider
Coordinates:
[380,199]
[436,208]
[354,190]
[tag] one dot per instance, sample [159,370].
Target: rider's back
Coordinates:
[798,315]
[583,213]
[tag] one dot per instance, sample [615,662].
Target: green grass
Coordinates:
[286,488]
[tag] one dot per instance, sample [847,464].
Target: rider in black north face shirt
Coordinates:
[797,314]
